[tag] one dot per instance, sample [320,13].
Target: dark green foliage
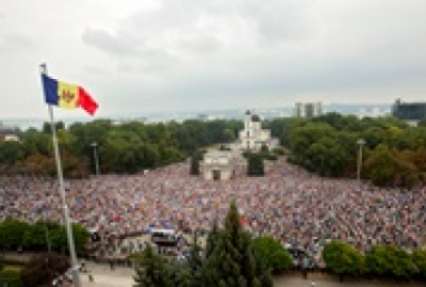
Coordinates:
[343,259]
[43,268]
[382,261]
[124,148]
[231,261]
[12,234]
[390,261]
[227,261]
[388,168]
[279,151]
[152,270]
[32,237]
[58,237]
[195,163]
[328,146]
[10,153]
[255,165]
[10,278]
[272,253]
[194,264]
[47,129]
[319,148]
[419,259]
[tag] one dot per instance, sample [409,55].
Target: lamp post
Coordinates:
[95,156]
[361,143]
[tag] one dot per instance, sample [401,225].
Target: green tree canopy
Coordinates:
[272,253]
[390,261]
[343,259]
[255,166]
[152,270]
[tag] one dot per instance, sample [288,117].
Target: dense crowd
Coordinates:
[300,209]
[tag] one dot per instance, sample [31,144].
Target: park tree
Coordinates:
[122,152]
[272,254]
[11,153]
[228,135]
[386,168]
[195,163]
[58,126]
[194,264]
[59,241]
[39,165]
[232,261]
[343,259]
[419,259]
[390,261]
[12,233]
[327,157]
[35,142]
[255,166]
[152,270]
[36,236]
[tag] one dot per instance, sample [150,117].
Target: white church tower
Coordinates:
[253,137]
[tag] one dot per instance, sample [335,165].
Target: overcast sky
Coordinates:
[159,55]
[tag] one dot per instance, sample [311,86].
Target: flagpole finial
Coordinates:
[43,68]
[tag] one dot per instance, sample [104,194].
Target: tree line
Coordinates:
[123,148]
[394,152]
[381,261]
[18,235]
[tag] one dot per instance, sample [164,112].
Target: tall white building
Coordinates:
[253,137]
[308,110]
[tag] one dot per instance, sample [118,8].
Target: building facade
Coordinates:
[308,110]
[253,137]
[410,112]
[217,165]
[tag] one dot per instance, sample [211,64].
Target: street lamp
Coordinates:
[361,143]
[95,155]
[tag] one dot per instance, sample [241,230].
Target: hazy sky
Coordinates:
[152,55]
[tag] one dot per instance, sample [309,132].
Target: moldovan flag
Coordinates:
[67,96]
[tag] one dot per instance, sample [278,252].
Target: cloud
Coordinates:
[150,55]
[103,40]
[15,42]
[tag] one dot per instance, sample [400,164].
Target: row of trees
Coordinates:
[231,258]
[123,148]
[19,235]
[385,261]
[395,153]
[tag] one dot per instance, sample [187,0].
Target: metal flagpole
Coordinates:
[74,261]
[96,157]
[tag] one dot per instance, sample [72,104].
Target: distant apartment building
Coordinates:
[413,112]
[308,110]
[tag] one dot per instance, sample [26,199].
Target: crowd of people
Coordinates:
[298,208]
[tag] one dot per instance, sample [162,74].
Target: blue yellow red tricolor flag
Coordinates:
[67,95]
